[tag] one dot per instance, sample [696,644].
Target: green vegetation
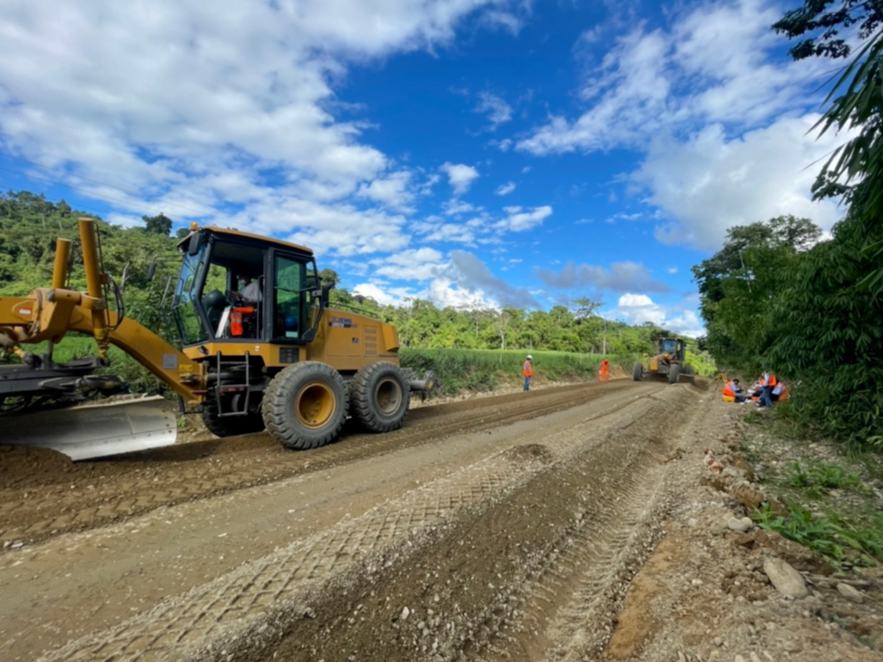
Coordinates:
[776,297]
[818,479]
[474,349]
[841,542]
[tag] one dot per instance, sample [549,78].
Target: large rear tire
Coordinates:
[230,426]
[305,405]
[688,369]
[673,374]
[638,372]
[380,396]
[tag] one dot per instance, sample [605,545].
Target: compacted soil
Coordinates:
[582,522]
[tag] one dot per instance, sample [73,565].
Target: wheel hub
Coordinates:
[314,405]
[388,396]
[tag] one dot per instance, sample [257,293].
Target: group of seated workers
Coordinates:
[778,391]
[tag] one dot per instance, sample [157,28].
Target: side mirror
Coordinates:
[326,288]
[195,243]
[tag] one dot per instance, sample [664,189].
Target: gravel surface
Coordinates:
[586,522]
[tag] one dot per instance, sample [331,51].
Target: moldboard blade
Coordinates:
[98,430]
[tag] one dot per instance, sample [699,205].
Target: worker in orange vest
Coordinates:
[767,382]
[780,392]
[604,372]
[527,371]
[733,390]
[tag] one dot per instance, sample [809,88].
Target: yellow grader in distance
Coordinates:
[281,361]
[669,363]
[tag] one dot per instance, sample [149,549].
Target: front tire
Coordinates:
[673,373]
[381,396]
[638,372]
[305,405]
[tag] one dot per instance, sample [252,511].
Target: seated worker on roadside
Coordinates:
[733,390]
[767,383]
[754,392]
[780,392]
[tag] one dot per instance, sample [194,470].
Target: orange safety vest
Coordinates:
[528,369]
[730,389]
[237,327]
[771,381]
[604,372]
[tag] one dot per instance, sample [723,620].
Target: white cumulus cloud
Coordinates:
[460,176]
[496,109]
[520,220]
[222,110]
[637,309]
[505,189]
[710,183]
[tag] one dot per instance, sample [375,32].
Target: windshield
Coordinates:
[668,346]
[184,311]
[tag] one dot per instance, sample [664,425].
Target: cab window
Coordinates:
[288,292]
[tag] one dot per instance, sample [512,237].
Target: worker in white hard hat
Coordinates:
[527,372]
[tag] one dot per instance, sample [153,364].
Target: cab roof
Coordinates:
[236,234]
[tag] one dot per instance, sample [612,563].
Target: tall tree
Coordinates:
[829,334]
[855,169]
[738,282]
[160,224]
[825,328]
[329,277]
[823,20]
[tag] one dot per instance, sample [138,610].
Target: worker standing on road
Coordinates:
[528,372]
[604,372]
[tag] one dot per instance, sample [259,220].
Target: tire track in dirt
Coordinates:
[246,613]
[585,580]
[61,497]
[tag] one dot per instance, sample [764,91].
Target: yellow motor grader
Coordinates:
[279,360]
[669,363]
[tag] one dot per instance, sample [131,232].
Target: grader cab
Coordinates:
[269,354]
[669,363]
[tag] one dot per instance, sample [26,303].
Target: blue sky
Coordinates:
[470,152]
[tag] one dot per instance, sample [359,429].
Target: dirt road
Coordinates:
[503,528]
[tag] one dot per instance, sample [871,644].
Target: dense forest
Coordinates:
[30,223]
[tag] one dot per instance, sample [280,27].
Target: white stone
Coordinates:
[786,579]
[850,592]
[738,525]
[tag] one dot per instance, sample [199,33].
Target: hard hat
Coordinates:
[529,357]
